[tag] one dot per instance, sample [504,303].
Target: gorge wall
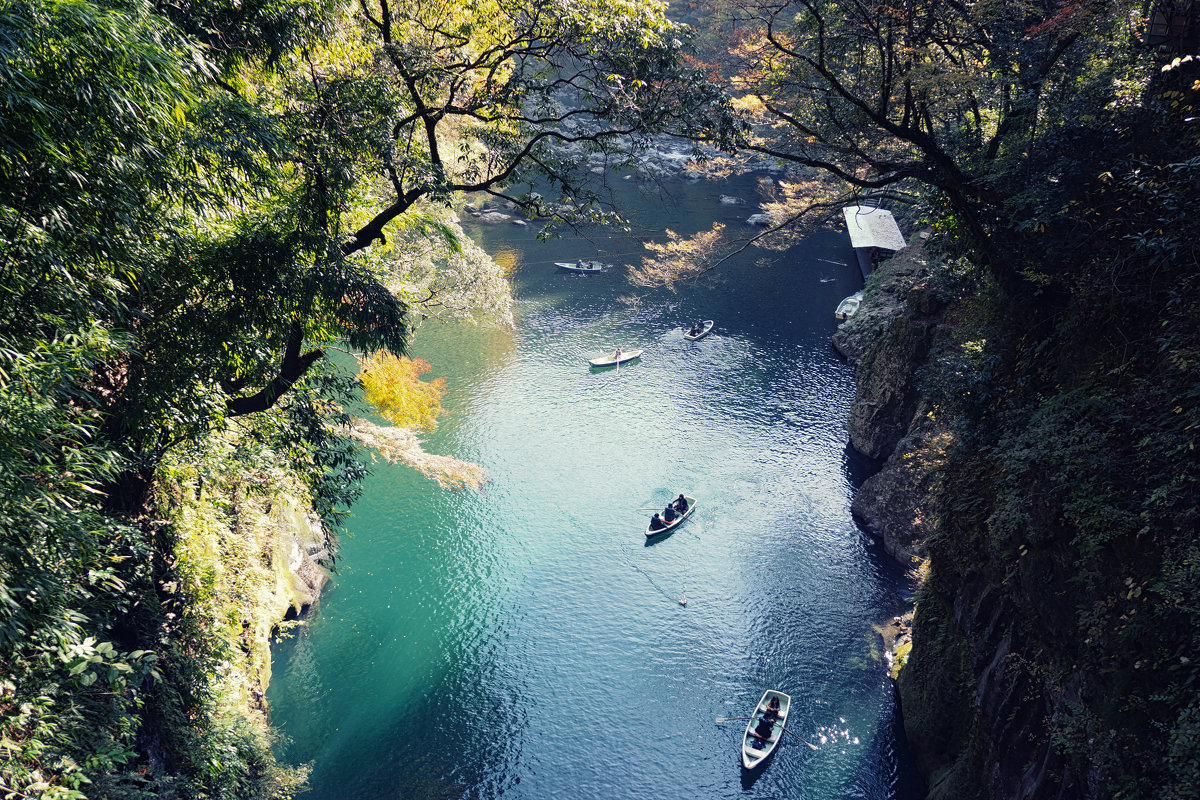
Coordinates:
[974,734]
[1031,674]
[976,726]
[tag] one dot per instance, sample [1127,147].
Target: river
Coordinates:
[526,641]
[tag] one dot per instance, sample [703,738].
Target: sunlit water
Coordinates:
[525,641]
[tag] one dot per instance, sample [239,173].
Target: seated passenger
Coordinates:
[656,523]
[765,727]
[681,504]
[669,514]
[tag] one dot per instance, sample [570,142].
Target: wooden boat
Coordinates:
[608,360]
[847,307]
[678,520]
[754,748]
[582,266]
[705,329]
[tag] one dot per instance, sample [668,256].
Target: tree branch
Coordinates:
[291,369]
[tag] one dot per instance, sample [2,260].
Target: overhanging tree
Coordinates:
[189,198]
[981,110]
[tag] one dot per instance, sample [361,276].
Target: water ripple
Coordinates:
[526,642]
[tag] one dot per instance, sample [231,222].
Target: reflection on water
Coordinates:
[524,641]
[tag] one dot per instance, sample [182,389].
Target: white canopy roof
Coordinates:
[873,227]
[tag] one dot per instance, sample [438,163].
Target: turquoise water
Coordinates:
[526,641]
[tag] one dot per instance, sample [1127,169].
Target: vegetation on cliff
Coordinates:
[1053,150]
[1054,640]
[197,202]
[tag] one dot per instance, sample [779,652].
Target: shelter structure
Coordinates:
[872,229]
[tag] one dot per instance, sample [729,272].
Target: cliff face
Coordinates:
[894,334]
[248,551]
[976,731]
[1054,634]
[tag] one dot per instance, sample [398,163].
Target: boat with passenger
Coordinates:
[699,330]
[614,358]
[582,266]
[675,523]
[765,728]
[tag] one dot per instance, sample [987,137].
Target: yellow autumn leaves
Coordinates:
[393,385]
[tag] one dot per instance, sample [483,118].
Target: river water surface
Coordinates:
[525,641]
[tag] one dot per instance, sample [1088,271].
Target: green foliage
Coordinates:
[1072,489]
[188,196]
[937,685]
[979,110]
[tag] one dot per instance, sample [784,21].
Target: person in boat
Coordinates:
[669,514]
[699,326]
[656,523]
[773,707]
[765,727]
[681,504]
[617,354]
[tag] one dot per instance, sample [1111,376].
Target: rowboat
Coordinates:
[755,749]
[705,329]
[676,522]
[581,266]
[847,307]
[609,360]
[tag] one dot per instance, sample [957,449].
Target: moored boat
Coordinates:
[581,266]
[612,359]
[675,523]
[756,747]
[847,307]
[692,334]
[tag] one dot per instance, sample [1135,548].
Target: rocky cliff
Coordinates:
[957,700]
[894,334]
[1028,461]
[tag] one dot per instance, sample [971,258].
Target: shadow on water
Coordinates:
[751,776]
[858,467]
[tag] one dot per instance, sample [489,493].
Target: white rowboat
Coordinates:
[610,360]
[582,266]
[755,749]
[677,521]
[847,307]
[705,329]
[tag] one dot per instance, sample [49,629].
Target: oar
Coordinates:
[810,744]
[730,719]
